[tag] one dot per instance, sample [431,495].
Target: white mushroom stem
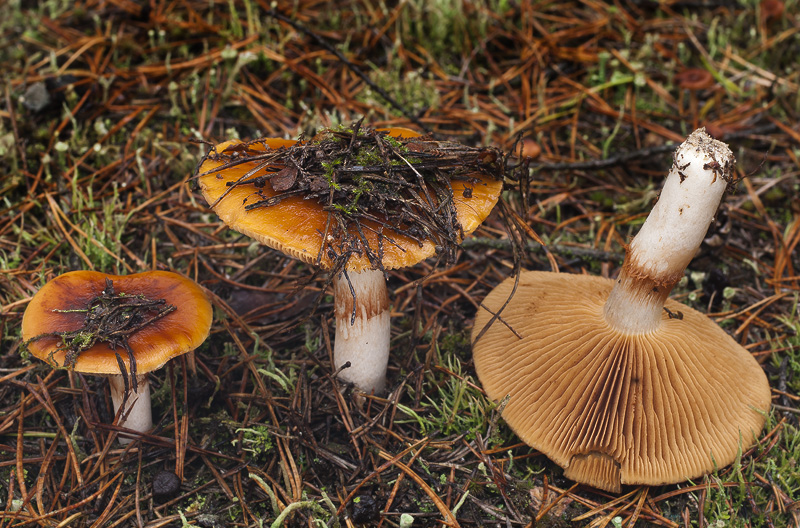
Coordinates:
[362,336]
[671,235]
[137,414]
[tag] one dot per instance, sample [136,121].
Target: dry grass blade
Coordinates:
[443,509]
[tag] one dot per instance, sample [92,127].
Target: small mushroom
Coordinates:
[771,10]
[527,149]
[693,80]
[612,380]
[60,312]
[301,227]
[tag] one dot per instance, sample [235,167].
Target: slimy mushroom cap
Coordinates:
[296,226]
[176,333]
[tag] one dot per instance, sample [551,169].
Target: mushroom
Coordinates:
[300,225]
[117,326]
[694,80]
[771,10]
[527,149]
[612,380]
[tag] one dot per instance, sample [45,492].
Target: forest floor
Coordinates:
[102,110]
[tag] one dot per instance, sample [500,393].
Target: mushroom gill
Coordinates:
[613,407]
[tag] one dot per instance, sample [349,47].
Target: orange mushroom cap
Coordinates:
[610,407]
[176,333]
[296,226]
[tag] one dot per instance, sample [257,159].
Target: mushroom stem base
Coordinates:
[137,414]
[363,339]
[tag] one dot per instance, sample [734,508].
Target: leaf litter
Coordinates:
[590,83]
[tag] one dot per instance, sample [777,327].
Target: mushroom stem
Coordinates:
[670,237]
[362,340]
[137,414]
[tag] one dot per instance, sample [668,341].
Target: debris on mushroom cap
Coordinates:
[61,305]
[353,197]
[614,408]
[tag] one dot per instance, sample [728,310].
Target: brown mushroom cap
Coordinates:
[612,408]
[771,9]
[295,226]
[527,149]
[695,79]
[174,334]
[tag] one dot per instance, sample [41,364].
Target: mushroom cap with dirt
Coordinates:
[294,217]
[61,307]
[612,380]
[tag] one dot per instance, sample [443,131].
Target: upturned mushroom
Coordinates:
[612,380]
[118,326]
[357,202]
